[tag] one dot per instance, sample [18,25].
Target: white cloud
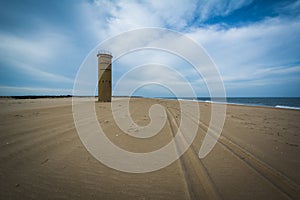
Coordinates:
[38,49]
[108,18]
[212,8]
[176,14]
[290,7]
[105,19]
[278,71]
[155,75]
[37,74]
[31,56]
[240,52]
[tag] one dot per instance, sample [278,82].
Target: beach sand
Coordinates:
[42,157]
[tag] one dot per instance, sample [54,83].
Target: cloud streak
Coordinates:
[214,8]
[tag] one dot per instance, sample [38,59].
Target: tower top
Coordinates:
[104,52]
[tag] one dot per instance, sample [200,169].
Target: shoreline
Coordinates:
[233,104]
[179,99]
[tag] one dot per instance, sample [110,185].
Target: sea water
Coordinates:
[277,102]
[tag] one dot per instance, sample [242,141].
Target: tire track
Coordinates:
[195,173]
[273,176]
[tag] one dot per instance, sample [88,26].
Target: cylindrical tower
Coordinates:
[104,76]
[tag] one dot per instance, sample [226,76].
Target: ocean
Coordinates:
[277,102]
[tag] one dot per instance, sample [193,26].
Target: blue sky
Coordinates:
[254,43]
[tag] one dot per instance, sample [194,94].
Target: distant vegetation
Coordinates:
[54,96]
[36,96]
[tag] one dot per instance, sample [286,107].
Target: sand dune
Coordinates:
[42,157]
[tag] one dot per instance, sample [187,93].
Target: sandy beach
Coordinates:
[42,156]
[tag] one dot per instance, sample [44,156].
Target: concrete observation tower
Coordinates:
[104,76]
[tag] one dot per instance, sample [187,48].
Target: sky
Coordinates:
[254,44]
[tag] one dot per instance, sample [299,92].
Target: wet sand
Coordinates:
[42,157]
